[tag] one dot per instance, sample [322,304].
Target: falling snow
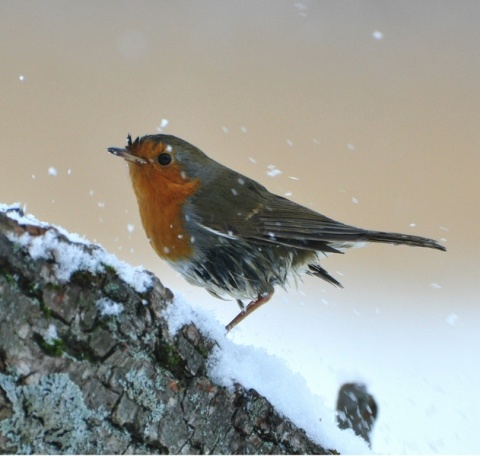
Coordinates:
[163,124]
[452,318]
[273,171]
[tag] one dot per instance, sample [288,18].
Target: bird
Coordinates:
[226,232]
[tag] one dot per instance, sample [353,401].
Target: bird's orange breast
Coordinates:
[161,195]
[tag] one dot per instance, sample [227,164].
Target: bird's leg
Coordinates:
[254,305]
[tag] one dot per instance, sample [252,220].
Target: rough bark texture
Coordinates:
[74,381]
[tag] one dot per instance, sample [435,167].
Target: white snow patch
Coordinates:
[130,227]
[354,200]
[52,171]
[435,285]
[50,334]
[77,254]
[269,375]
[21,77]
[108,307]
[26,219]
[377,35]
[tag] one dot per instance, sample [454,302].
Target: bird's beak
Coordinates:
[123,153]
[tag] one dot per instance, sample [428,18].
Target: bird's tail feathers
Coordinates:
[405,239]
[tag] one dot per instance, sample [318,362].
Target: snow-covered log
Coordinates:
[90,361]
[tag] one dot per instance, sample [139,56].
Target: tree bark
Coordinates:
[76,378]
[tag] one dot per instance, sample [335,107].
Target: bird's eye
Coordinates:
[164,159]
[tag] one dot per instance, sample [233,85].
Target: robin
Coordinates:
[226,232]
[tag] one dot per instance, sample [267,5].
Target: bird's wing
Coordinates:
[280,220]
[249,211]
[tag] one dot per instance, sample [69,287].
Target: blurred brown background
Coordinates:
[370,109]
